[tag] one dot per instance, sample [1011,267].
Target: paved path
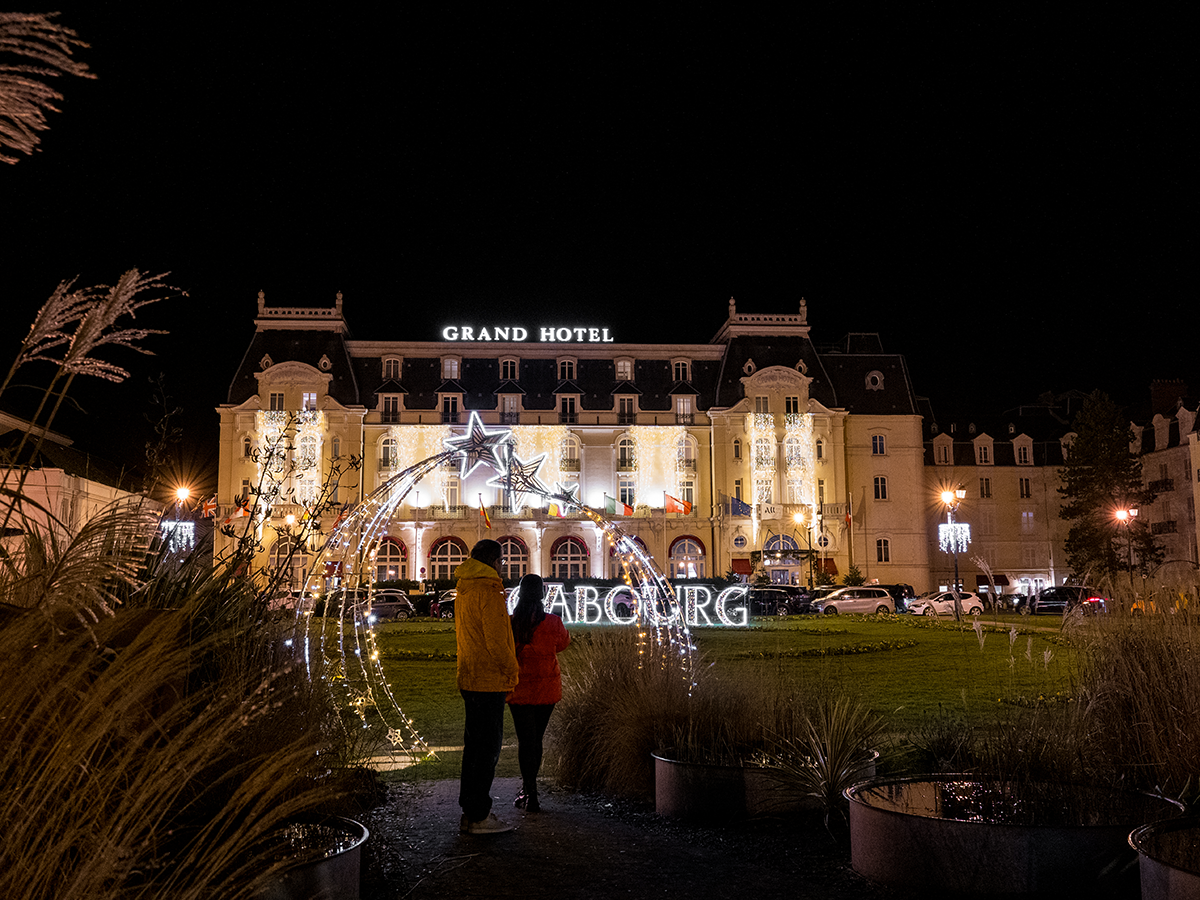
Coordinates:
[588,847]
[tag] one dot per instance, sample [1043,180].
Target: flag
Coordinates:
[616,507]
[487,520]
[556,510]
[239,510]
[208,509]
[677,506]
[739,508]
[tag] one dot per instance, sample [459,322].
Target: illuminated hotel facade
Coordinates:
[758,453]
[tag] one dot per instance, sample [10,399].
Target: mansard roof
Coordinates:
[306,346]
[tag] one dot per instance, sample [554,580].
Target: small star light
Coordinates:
[567,492]
[395,738]
[522,477]
[480,447]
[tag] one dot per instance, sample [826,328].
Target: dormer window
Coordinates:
[450,367]
[566,370]
[983,451]
[624,369]
[681,370]
[309,400]
[1024,450]
[508,370]
[276,401]
[391,409]
[391,369]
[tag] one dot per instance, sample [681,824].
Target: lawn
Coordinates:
[904,667]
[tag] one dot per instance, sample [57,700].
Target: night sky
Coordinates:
[1002,197]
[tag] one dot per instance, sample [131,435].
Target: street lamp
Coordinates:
[954,537]
[798,518]
[1125,517]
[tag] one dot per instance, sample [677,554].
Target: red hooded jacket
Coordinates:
[541,678]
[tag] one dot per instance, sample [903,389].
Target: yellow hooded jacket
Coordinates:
[487,656]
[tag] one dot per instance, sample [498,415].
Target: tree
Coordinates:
[25,95]
[1101,475]
[853,576]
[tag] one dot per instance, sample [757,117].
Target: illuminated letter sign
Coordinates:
[515,333]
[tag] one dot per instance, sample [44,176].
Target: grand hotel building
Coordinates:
[786,457]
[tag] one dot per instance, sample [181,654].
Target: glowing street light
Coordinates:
[954,537]
[1125,517]
[799,519]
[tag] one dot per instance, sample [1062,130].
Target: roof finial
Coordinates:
[262,303]
[339,302]
[732,307]
[803,311]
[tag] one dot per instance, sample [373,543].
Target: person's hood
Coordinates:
[473,568]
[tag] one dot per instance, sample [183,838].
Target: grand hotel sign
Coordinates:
[548,334]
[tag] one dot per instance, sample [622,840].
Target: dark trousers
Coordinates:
[531,721]
[482,736]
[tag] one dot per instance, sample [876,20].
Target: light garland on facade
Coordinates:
[798,458]
[656,451]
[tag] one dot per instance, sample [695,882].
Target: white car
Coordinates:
[864,599]
[941,603]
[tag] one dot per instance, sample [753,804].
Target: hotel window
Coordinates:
[450,367]
[883,550]
[391,410]
[390,564]
[247,447]
[516,559]
[568,414]
[1028,556]
[566,370]
[791,405]
[388,450]
[627,490]
[337,447]
[764,453]
[1026,491]
[687,491]
[1027,521]
[943,454]
[820,493]
[450,409]
[626,455]
[880,487]
[878,445]
[624,370]
[762,404]
[626,412]
[681,370]
[309,400]
[276,402]
[569,559]
[985,488]
[451,491]
[983,454]
[763,490]
[245,494]
[737,449]
[737,488]
[820,449]
[508,369]
[391,369]
[1023,456]
[683,410]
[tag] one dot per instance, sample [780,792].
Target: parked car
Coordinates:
[799,603]
[443,606]
[767,601]
[902,594]
[941,603]
[391,604]
[346,601]
[862,599]
[1062,598]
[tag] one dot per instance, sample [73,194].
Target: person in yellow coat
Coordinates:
[487,671]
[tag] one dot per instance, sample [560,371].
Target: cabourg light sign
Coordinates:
[549,334]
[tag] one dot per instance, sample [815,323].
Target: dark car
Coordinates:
[443,606]
[1060,599]
[901,595]
[392,605]
[768,601]
[799,602]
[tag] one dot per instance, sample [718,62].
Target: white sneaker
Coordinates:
[490,825]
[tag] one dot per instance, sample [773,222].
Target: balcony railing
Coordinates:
[450,418]
[1163,527]
[390,418]
[568,465]
[568,418]
[447,512]
[625,464]
[686,465]
[626,418]
[1162,486]
[387,463]
[510,418]
[684,418]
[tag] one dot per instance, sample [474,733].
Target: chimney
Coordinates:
[1165,393]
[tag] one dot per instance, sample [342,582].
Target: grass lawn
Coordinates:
[904,667]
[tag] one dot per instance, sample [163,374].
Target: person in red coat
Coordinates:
[539,636]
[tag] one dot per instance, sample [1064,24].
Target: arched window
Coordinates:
[337,447]
[626,453]
[446,555]
[515,563]
[781,543]
[685,453]
[568,454]
[737,448]
[307,451]
[289,561]
[388,451]
[247,447]
[568,558]
[764,453]
[391,560]
[687,558]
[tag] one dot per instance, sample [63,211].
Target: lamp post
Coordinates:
[799,519]
[952,499]
[1125,517]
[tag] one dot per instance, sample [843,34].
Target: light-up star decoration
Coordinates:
[567,493]
[520,477]
[481,447]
